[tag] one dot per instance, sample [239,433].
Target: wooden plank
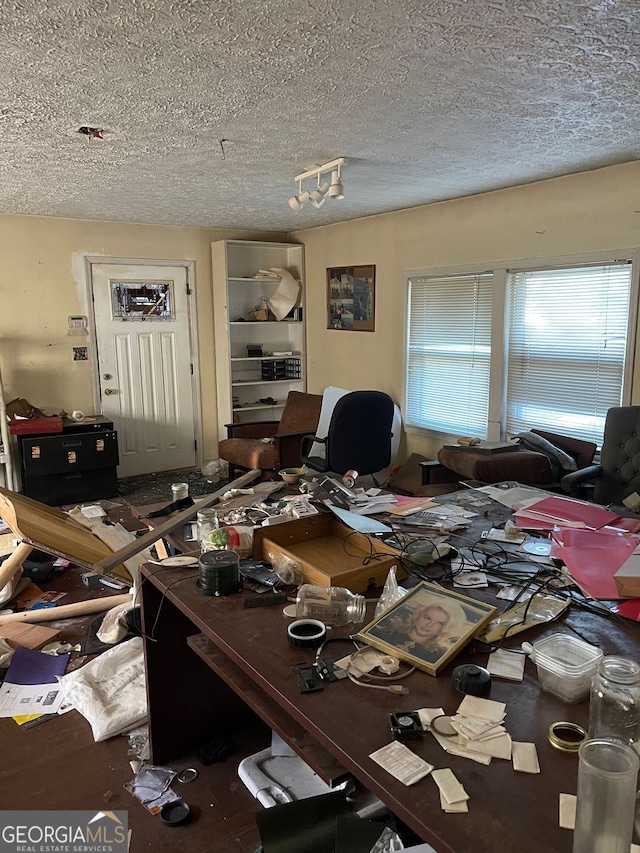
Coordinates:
[107,563]
[51,530]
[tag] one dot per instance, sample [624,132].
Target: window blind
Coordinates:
[448,354]
[567,344]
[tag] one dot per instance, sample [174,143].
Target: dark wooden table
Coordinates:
[210,662]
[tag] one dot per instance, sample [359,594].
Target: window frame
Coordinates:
[499,325]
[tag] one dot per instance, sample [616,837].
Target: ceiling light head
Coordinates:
[319,195]
[336,190]
[296,201]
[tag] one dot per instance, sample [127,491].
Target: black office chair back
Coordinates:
[620,456]
[359,435]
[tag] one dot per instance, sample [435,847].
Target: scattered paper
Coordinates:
[18,700]
[484,709]
[470,580]
[525,757]
[568,803]
[497,535]
[450,787]
[401,762]
[508,665]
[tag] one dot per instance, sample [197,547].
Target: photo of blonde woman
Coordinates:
[428,626]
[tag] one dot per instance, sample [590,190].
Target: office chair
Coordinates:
[359,435]
[618,473]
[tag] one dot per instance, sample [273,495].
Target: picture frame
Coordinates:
[428,627]
[351,300]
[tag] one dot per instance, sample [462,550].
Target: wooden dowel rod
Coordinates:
[66,611]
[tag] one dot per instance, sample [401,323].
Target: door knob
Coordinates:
[109,391]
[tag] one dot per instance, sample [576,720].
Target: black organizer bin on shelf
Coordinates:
[78,464]
[281,368]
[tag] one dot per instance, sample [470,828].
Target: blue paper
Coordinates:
[31,667]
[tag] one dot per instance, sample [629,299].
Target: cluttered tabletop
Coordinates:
[516,599]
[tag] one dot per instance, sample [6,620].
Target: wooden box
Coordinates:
[328,552]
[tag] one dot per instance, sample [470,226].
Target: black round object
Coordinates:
[472,679]
[175,814]
[306,633]
[219,573]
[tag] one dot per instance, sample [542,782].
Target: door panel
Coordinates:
[144,358]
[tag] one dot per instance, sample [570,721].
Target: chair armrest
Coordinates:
[307,441]
[254,429]
[571,483]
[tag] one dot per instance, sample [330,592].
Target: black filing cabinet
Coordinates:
[78,464]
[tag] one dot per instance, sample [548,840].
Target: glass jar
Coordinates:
[614,710]
[605,806]
[333,605]
[179,491]
[207,522]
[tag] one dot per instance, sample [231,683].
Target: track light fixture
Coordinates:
[318,196]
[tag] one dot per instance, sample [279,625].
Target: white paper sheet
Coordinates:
[17,700]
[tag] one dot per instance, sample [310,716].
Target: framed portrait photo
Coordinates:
[351,300]
[428,626]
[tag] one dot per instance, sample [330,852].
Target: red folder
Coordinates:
[592,558]
[568,512]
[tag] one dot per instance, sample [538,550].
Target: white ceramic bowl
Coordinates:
[292,476]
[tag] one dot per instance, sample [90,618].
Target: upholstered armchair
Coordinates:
[617,475]
[271,445]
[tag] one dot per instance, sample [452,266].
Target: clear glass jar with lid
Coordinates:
[614,710]
[333,605]
[207,522]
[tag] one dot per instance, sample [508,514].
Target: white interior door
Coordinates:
[144,360]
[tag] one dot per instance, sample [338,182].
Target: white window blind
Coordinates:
[448,354]
[567,344]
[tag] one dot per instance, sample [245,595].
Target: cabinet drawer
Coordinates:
[57,454]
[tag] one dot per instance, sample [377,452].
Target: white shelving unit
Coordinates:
[245,380]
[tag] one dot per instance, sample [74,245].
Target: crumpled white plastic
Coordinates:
[109,691]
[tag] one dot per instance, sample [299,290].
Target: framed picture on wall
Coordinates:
[351,298]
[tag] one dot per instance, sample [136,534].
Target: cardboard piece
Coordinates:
[627,578]
[29,636]
[319,544]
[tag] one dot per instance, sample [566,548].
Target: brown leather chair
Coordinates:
[246,448]
[528,467]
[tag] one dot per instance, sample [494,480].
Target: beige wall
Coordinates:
[578,214]
[40,287]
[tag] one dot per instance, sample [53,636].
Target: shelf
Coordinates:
[278,404]
[258,280]
[238,284]
[265,357]
[241,383]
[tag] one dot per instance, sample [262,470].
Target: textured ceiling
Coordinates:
[428,100]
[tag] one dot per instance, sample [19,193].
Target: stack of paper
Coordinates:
[480,735]
[453,797]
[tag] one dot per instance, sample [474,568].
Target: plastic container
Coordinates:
[566,666]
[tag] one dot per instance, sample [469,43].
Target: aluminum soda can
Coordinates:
[349,478]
